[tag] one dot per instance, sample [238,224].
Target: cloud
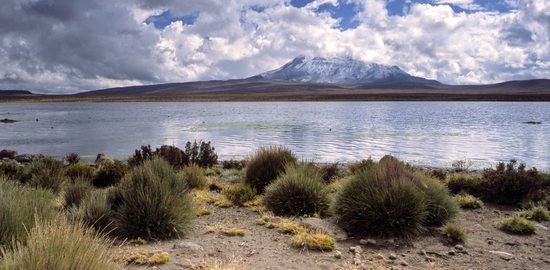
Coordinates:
[69,46]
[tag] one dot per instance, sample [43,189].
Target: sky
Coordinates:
[54,46]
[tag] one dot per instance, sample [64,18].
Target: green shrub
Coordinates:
[466,183]
[240,194]
[455,233]
[11,170]
[173,155]
[46,173]
[439,174]
[234,164]
[517,225]
[298,191]
[141,155]
[364,164]
[80,171]
[373,202]
[110,173]
[441,205]
[72,158]
[329,172]
[511,184]
[59,245]
[462,165]
[194,177]
[95,211]
[468,201]
[266,165]
[539,213]
[153,203]
[19,206]
[75,192]
[201,153]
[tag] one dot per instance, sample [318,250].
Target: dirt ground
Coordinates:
[264,248]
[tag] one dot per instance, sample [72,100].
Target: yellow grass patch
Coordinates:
[141,256]
[313,241]
[232,232]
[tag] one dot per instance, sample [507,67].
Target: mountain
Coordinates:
[340,70]
[14,92]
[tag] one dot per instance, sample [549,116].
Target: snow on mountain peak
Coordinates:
[337,70]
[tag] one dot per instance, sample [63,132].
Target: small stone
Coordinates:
[490,242]
[188,246]
[357,261]
[392,256]
[430,259]
[390,241]
[379,256]
[422,252]
[317,224]
[367,242]
[404,263]
[355,249]
[459,247]
[452,252]
[542,227]
[503,255]
[338,255]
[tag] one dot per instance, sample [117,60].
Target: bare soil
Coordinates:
[263,248]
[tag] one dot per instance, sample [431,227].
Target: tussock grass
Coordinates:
[539,213]
[194,177]
[95,211]
[80,170]
[517,225]
[266,165]
[240,194]
[468,201]
[298,191]
[154,203]
[466,183]
[19,208]
[455,233]
[58,244]
[110,173]
[47,173]
[441,205]
[313,241]
[75,192]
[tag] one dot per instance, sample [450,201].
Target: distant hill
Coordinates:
[14,92]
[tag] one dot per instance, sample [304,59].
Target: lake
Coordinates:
[422,133]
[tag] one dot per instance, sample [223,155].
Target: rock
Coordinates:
[8,153]
[392,256]
[367,242]
[430,259]
[503,255]
[102,159]
[540,226]
[459,247]
[479,227]
[452,252]
[490,242]
[24,158]
[515,243]
[188,246]
[403,263]
[338,255]
[390,242]
[422,252]
[318,224]
[355,249]
[357,261]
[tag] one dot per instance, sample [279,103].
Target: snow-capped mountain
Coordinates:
[339,70]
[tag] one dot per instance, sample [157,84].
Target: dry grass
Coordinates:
[230,264]
[141,256]
[314,241]
[232,232]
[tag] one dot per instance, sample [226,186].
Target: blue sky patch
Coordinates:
[166,18]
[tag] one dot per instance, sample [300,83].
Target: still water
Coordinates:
[422,133]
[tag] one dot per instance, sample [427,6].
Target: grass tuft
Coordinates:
[517,225]
[468,201]
[194,177]
[313,241]
[266,165]
[455,233]
[539,213]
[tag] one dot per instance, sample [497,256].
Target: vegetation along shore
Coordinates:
[171,208]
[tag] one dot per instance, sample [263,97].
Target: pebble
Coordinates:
[367,242]
[503,255]
[356,249]
[490,242]
[452,252]
[404,263]
[422,252]
[188,246]
[338,255]
[392,256]
[459,247]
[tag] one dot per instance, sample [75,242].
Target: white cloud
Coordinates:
[82,44]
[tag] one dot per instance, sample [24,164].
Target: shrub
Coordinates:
[95,211]
[538,213]
[296,192]
[11,170]
[439,174]
[371,204]
[141,155]
[240,194]
[468,201]
[363,164]
[110,173]
[74,193]
[173,155]
[57,244]
[465,183]
[193,176]
[80,170]
[461,165]
[511,184]
[313,241]
[454,233]
[46,173]
[201,153]
[330,172]
[441,205]
[153,203]
[234,164]
[266,165]
[517,225]
[72,158]
[19,207]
